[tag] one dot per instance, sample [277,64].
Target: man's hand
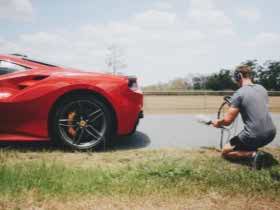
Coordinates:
[217,123]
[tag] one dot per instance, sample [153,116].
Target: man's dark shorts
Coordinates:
[241,145]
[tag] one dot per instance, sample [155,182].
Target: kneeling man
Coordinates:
[251,101]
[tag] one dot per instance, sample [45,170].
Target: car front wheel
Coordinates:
[82,122]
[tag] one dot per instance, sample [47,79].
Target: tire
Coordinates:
[81,122]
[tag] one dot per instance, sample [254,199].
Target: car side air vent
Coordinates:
[40,77]
[32,81]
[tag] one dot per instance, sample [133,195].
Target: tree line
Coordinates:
[266,74]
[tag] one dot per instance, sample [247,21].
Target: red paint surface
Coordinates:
[27,97]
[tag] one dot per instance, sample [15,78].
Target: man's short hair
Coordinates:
[245,70]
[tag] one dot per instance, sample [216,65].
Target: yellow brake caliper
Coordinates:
[71,129]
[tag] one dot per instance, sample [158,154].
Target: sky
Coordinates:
[159,39]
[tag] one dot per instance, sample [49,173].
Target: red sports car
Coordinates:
[43,102]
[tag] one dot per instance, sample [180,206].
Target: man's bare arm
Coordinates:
[228,118]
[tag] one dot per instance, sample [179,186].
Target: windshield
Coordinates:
[8,67]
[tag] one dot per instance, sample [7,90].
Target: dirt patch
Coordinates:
[191,104]
[152,202]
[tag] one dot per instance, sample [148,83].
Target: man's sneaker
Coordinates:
[258,161]
[261,160]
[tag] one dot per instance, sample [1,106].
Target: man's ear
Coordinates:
[241,76]
[241,79]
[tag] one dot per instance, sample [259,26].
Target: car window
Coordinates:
[8,67]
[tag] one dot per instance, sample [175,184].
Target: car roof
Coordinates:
[24,61]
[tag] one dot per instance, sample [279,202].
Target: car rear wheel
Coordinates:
[82,122]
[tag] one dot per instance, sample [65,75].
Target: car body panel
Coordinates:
[27,98]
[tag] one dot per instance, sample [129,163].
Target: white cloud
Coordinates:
[211,18]
[161,5]
[263,46]
[16,9]
[159,44]
[249,14]
[154,18]
[265,39]
[205,15]
[202,4]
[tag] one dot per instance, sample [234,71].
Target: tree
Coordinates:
[221,81]
[178,84]
[269,75]
[199,82]
[115,58]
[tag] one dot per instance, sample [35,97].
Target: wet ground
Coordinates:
[182,131]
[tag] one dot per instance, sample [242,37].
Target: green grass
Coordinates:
[174,176]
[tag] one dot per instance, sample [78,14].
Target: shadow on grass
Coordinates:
[269,162]
[136,141]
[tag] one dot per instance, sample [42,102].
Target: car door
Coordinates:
[12,75]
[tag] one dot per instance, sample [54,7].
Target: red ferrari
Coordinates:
[44,102]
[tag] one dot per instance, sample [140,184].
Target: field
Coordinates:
[192,104]
[43,177]
[136,179]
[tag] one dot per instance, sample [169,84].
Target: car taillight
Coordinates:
[133,84]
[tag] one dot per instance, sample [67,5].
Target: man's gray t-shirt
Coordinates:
[252,101]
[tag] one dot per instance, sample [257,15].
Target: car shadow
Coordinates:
[136,141]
